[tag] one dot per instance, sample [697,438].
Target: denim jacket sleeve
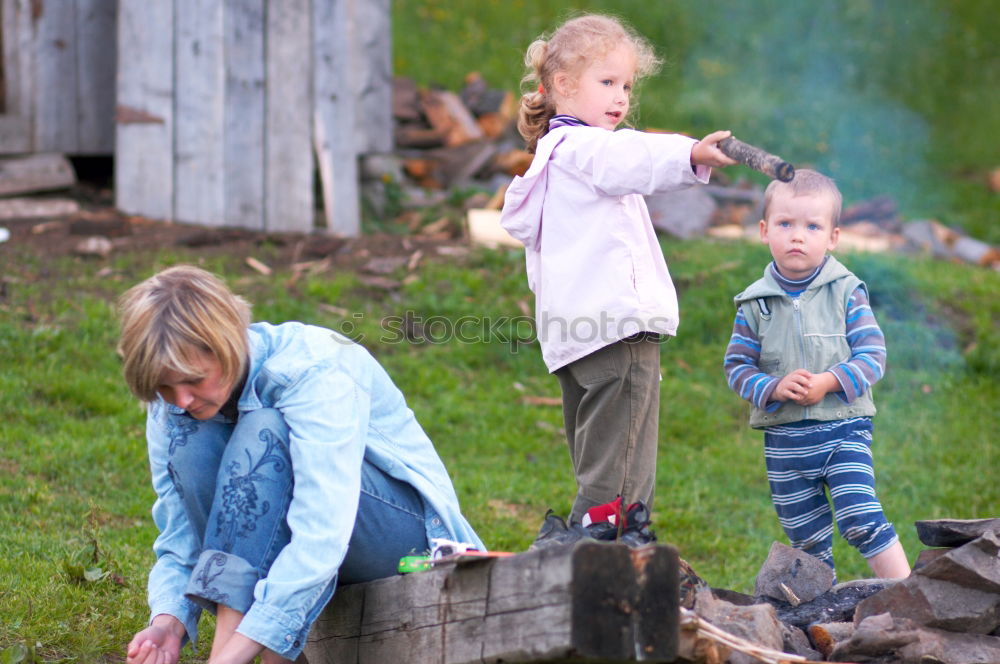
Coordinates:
[176,547]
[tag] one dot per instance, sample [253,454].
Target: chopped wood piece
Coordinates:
[94,246]
[825,636]
[514,162]
[37,208]
[446,113]
[418,136]
[405,99]
[258,266]
[37,172]
[541,401]
[485,229]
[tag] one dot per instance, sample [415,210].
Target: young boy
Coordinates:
[804,352]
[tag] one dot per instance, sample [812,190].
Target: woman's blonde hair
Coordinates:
[171,318]
[571,47]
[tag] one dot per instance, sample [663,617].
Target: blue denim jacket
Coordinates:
[341,406]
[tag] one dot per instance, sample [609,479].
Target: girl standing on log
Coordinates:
[603,294]
[284,462]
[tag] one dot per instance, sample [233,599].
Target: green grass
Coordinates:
[889,97]
[74,487]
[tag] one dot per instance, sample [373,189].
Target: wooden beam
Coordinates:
[593,601]
[37,172]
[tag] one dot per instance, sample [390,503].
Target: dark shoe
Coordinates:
[634,532]
[555,532]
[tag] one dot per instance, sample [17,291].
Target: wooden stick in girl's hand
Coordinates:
[755,158]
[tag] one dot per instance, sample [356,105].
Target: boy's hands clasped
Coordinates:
[805,388]
[706,152]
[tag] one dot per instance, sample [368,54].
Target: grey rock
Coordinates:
[927,556]
[883,638]
[795,641]
[757,623]
[974,565]
[792,575]
[685,213]
[935,603]
[954,532]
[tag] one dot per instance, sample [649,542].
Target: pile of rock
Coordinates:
[946,611]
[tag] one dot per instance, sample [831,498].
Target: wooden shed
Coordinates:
[247,113]
[58,76]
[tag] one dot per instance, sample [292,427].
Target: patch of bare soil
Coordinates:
[99,233]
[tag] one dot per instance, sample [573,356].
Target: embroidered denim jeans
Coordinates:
[236,483]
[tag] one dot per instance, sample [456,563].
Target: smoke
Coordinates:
[819,83]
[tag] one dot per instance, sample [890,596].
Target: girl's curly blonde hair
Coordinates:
[574,45]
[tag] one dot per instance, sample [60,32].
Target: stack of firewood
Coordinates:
[447,138]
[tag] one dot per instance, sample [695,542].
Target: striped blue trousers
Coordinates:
[807,458]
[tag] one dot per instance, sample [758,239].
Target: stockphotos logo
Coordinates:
[513,331]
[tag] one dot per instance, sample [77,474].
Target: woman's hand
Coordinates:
[160,643]
[706,152]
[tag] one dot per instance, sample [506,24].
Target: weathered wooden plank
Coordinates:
[15,134]
[37,172]
[334,116]
[37,208]
[11,34]
[199,80]
[19,63]
[372,67]
[55,105]
[591,602]
[288,136]
[144,164]
[96,58]
[243,133]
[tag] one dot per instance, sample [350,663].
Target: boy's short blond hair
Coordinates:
[807,183]
[171,318]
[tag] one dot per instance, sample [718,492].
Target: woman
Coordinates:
[284,461]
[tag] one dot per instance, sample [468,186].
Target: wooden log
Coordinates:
[405,99]
[37,208]
[593,601]
[826,636]
[37,172]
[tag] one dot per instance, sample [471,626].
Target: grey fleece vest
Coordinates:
[807,332]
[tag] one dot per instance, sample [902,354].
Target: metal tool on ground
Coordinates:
[753,157]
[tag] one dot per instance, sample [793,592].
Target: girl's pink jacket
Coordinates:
[592,256]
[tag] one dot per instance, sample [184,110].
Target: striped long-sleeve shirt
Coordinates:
[855,375]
